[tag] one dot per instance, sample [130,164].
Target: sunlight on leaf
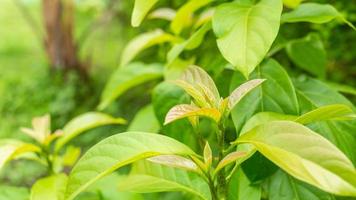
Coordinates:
[141,8]
[186,110]
[174,161]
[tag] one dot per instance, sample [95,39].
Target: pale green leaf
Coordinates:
[145,120]
[83,123]
[305,155]
[147,177]
[11,149]
[141,42]
[41,128]
[309,54]
[163,13]
[329,112]
[175,161]
[204,17]
[229,159]
[117,151]
[186,110]
[191,43]
[246,32]
[185,13]
[240,188]
[141,8]
[52,187]
[242,90]
[313,13]
[71,156]
[127,77]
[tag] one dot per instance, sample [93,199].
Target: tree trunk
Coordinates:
[59,41]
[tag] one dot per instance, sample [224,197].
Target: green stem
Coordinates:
[221,180]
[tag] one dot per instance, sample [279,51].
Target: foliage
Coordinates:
[261,118]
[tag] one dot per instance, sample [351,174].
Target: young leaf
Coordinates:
[230,158]
[208,155]
[174,161]
[83,123]
[240,188]
[305,155]
[41,128]
[11,149]
[309,54]
[184,15]
[147,177]
[329,112]
[125,78]
[313,13]
[242,90]
[163,13]
[186,110]
[141,8]
[197,83]
[142,42]
[246,32]
[145,120]
[117,151]
[52,187]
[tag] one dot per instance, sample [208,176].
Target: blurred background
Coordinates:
[59,65]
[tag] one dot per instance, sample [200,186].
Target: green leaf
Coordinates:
[313,13]
[240,188]
[145,120]
[313,94]
[198,84]
[11,149]
[83,123]
[126,78]
[142,42]
[52,187]
[281,186]
[242,91]
[141,8]
[106,189]
[347,89]
[246,32]
[191,43]
[329,112]
[117,151]
[13,193]
[147,177]
[185,110]
[264,98]
[305,155]
[292,3]
[309,54]
[184,15]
